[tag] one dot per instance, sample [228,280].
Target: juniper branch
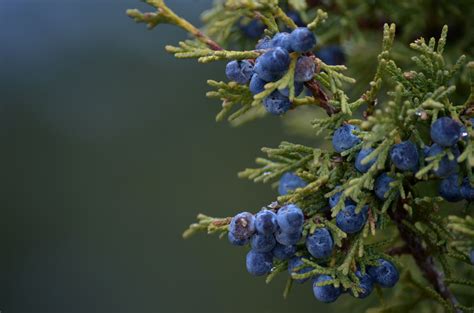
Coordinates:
[165,15]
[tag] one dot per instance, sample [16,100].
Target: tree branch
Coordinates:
[422,257]
[319,94]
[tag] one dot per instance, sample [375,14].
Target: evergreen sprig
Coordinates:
[402,102]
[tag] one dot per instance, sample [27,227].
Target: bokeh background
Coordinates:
[109,149]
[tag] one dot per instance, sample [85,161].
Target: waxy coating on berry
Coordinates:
[320,244]
[256,85]
[349,221]
[304,69]
[365,283]
[273,64]
[302,39]
[344,138]
[239,71]
[237,242]
[446,167]
[445,131]
[282,40]
[297,262]
[283,252]
[266,222]
[326,293]
[262,242]
[266,75]
[361,166]
[276,103]
[290,218]
[242,226]
[264,43]
[288,239]
[382,185]
[405,156]
[385,273]
[289,182]
[258,263]
[450,188]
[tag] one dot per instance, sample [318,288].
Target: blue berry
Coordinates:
[282,252]
[276,103]
[327,293]
[258,263]
[282,40]
[264,43]
[237,242]
[471,256]
[450,188]
[333,200]
[297,262]
[298,90]
[254,29]
[363,168]
[467,190]
[304,69]
[242,226]
[289,182]
[288,239]
[405,156]
[344,139]
[256,85]
[296,18]
[320,243]
[239,71]
[385,273]
[266,222]
[349,221]
[445,131]
[446,166]
[273,64]
[365,283]
[302,40]
[332,55]
[265,75]
[262,243]
[290,218]
[382,185]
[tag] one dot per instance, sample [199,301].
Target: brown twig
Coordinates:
[422,257]
[398,250]
[321,96]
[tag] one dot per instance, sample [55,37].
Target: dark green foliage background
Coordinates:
[108,149]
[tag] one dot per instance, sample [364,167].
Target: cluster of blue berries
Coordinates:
[279,235]
[273,64]
[385,274]
[406,156]
[271,235]
[446,133]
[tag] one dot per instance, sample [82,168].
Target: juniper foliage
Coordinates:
[409,87]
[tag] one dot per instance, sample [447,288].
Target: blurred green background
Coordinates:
[109,149]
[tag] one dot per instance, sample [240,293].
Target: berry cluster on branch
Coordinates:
[402,152]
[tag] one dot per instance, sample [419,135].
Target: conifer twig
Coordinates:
[165,15]
[422,257]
